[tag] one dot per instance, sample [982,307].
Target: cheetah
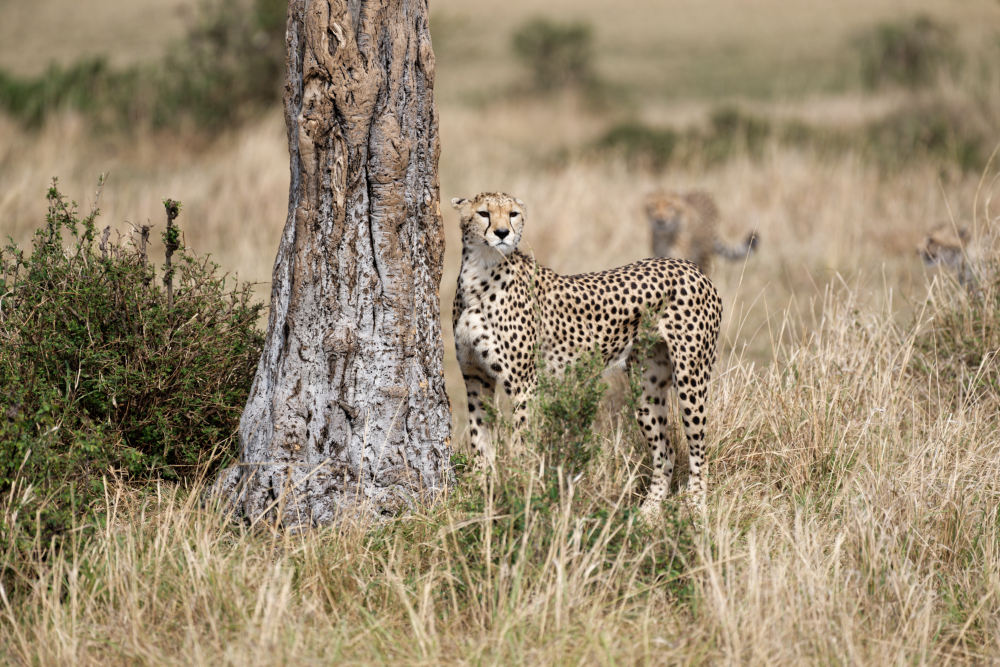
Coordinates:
[684,225]
[948,246]
[510,313]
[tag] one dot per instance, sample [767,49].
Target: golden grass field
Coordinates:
[853,505]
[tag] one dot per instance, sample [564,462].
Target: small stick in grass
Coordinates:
[171,239]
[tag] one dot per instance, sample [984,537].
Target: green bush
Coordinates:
[639,144]
[100,376]
[557,54]
[730,132]
[933,131]
[909,53]
[954,133]
[232,59]
[563,413]
[230,63]
[79,86]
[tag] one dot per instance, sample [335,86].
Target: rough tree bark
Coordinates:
[348,407]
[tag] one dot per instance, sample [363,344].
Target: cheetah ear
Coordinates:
[458,202]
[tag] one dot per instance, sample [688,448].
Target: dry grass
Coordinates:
[848,520]
[852,514]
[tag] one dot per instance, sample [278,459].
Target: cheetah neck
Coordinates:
[481,267]
[480,259]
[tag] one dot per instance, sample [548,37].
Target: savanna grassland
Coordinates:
[854,447]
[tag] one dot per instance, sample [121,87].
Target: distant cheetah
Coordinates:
[686,225]
[948,246]
[508,309]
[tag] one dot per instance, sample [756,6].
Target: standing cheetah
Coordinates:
[508,309]
[686,225]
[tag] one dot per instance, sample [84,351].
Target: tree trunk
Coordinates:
[348,409]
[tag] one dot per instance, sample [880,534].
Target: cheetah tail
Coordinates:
[740,251]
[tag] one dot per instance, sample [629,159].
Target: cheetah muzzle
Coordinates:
[510,313]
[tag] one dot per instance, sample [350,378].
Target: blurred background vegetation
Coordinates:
[217,63]
[226,63]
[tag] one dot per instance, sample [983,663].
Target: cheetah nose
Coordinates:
[501,233]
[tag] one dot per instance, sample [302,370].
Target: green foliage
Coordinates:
[100,376]
[563,412]
[557,54]
[935,131]
[79,86]
[729,132]
[647,337]
[232,58]
[230,63]
[910,53]
[950,134]
[640,144]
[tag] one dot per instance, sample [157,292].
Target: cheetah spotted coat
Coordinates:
[508,309]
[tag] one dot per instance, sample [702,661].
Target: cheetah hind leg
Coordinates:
[692,356]
[651,413]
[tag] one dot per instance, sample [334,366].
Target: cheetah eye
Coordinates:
[514,214]
[485,214]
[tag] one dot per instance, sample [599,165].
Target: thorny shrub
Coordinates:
[99,376]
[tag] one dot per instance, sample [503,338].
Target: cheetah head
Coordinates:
[665,211]
[491,219]
[944,246]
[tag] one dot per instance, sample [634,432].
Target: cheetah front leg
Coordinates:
[479,389]
[520,389]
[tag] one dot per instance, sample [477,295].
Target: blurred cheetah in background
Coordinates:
[510,313]
[948,246]
[686,225]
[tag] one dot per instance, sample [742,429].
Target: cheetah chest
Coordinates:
[487,325]
[471,332]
